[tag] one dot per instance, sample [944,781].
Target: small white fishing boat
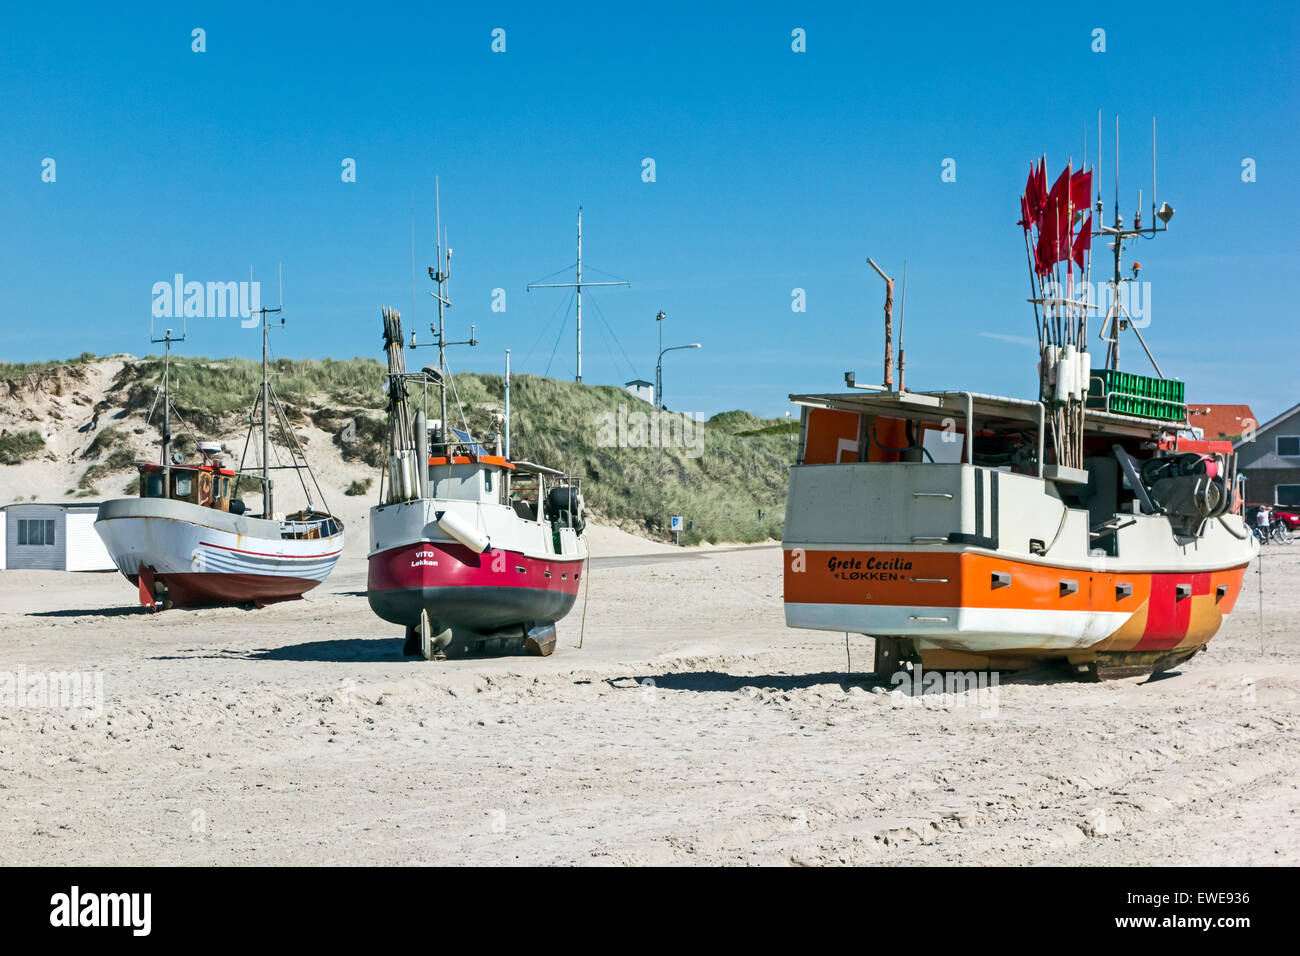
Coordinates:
[186,540]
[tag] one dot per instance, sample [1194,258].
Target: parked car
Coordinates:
[1287,514]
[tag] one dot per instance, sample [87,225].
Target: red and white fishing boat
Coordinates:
[186,540]
[470,550]
[968,531]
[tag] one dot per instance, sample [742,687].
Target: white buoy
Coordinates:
[464,532]
[1066,370]
[1084,380]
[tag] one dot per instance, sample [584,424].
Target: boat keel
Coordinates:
[893,654]
[428,641]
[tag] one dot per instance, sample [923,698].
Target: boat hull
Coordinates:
[465,591]
[962,608]
[208,589]
[972,567]
[204,558]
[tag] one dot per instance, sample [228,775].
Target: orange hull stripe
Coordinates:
[957,579]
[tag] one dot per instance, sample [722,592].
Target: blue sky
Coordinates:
[775,170]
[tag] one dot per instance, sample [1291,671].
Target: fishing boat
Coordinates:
[471,551]
[187,539]
[1090,526]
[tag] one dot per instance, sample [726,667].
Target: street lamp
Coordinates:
[659,371]
[659,322]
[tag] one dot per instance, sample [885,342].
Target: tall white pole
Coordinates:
[266,425]
[167,421]
[659,376]
[579,294]
[576,284]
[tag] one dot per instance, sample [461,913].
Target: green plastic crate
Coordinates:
[1143,396]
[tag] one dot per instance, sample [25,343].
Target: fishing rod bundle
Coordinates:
[403,462]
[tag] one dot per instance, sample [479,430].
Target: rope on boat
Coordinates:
[586,591]
[1240,537]
[1065,513]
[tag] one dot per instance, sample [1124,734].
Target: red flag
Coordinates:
[1054,226]
[1036,190]
[1080,196]
[1031,202]
[1081,191]
[1083,241]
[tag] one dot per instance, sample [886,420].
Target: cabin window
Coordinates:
[487,480]
[1288,446]
[153,485]
[36,532]
[1287,494]
[182,484]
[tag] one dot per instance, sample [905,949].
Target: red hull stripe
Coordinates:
[200,589]
[267,554]
[428,565]
[1168,615]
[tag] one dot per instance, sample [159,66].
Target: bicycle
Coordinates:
[1282,534]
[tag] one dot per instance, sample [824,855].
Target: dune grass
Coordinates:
[727,480]
[10,370]
[207,391]
[726,477]
[17,447]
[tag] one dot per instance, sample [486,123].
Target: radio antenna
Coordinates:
[1115,213]
[578,285]
[412,254]
[1153,170]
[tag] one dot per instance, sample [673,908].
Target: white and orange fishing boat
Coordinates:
[470,550]
[187,540]
[971,531]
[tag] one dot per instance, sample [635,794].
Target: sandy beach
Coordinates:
[691,727]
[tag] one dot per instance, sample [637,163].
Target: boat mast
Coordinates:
[889,325]
[266,426]
[167,409]
[579,308]
[440,275]
[1116,320]
[165,458]
[267,509]
[578,285]
[1118,247]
